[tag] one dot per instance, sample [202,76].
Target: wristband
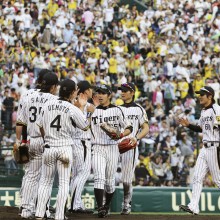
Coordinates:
[24,141]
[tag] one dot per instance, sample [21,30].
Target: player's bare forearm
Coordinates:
[42,132]
[126,132]
[144,131]
[18,131]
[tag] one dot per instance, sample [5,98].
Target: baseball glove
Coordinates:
[113,133]
[21,154]
[125,145]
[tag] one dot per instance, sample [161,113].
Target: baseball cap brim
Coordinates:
[124,89]
[127,87]
[104,89]
[203,91]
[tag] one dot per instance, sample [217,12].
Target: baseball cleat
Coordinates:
[185,208]
[126,211]
[52,209]
[80,211]
[103,212]
[20,210]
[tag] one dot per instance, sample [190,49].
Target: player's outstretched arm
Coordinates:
[184,122]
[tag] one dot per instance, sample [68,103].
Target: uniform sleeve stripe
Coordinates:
[121,113]
[141,109]
[86,128]
[20,122]
[39,126]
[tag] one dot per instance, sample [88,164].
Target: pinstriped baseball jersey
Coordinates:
[59,119]
[112,115]
[136,115]
[31,110]
[209,121]
[23,100]
[79,133]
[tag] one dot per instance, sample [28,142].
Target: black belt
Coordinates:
[85,139]
[46,146]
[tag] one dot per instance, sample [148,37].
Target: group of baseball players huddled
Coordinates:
[65,137]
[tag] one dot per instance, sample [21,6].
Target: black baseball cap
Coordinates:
[41,75]
[206,90]
[127,87]
[83,86]
[50,79]
[104,89]
[67,85]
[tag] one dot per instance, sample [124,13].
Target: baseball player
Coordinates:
[208,159]
[21,130]
[31,109]
[58,121]
[105,151]
[81,167]
[138,118]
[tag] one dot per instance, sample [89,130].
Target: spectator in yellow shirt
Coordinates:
[198,83]
[113,64]
[183,87]
[208,71]
[52,7]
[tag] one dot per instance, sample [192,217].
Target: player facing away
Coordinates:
[208,159]
[58,120]
[28,116]
[21,129]
[138,118]
[81,167]
[105,151]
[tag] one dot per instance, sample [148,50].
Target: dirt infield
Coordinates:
[11,213]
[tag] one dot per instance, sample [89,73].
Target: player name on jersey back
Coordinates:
[31,110]
[59,120]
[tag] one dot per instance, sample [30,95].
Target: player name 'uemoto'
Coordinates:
[58,108]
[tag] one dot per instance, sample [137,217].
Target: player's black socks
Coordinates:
[99,193]
[127,191]
[108,198]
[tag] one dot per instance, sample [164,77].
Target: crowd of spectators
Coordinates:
[169,49]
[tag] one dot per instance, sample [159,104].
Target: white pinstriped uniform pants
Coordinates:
[31,178]
[128,163]
[81,169]
[54,159]
[208,160]
[104,165]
